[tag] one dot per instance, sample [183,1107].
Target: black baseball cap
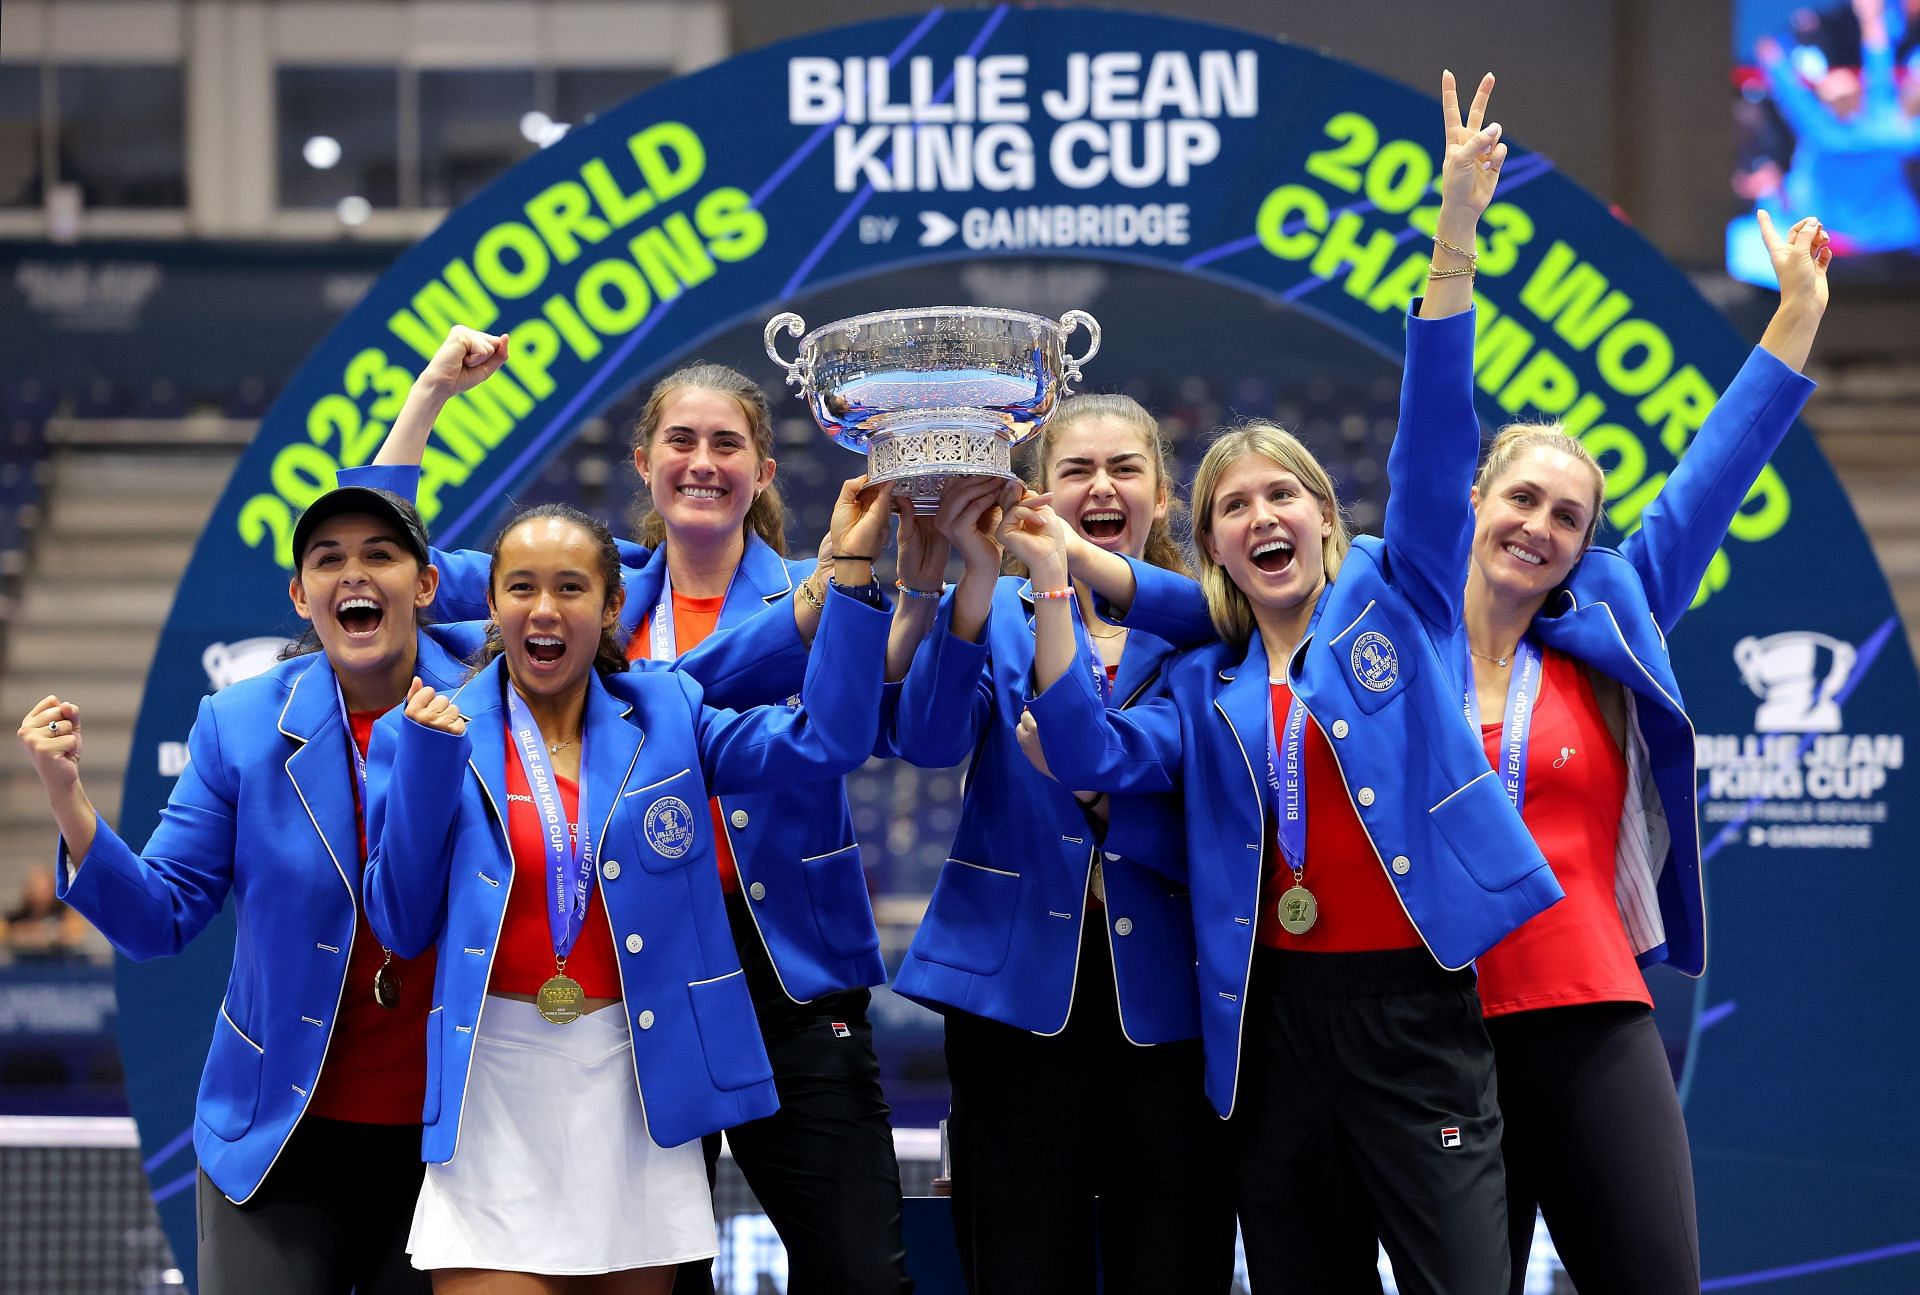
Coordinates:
[382,505]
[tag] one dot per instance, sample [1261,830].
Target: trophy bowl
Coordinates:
[934,393]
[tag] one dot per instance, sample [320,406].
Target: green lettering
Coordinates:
[511,240]
[1284,205]
[1572,296]
[671,157]
[1341,246]
[563,213]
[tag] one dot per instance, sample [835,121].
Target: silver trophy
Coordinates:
[934,393]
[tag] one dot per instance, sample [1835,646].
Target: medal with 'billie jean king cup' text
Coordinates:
[569,870]
[935,393]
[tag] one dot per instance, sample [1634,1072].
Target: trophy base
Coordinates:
[921,462]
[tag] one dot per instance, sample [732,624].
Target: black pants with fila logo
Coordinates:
[823,1165]
[1366,1108]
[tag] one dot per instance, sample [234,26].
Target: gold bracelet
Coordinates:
[1434,272]
[811,598]
[1445,246]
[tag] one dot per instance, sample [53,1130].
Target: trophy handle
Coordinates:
[1068,322]
[794,325]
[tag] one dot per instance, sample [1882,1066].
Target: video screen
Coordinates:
[1827,123]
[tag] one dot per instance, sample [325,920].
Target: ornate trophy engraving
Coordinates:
[937,392]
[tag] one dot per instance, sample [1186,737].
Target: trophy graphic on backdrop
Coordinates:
[937,392]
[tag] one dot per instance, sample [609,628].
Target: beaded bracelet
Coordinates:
[911,592]
[1053,593]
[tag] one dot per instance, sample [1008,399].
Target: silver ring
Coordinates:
[53,726]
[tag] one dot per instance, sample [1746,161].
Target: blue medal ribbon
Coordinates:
[1287,783]
[1523,688]
[1287,767]
[569,863]
[661,644]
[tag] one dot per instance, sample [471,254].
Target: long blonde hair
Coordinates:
[1513,440]
[767,516]
[1232,614]
[1163,549]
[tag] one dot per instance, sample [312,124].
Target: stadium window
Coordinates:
[582,93]
[339,135]
[20,135]
[121,133]
[474,124]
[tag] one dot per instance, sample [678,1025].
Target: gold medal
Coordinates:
[559,1000]
[386,984]
[1299,910]
[1097,882]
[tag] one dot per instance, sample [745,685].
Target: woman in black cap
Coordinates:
[307,1125]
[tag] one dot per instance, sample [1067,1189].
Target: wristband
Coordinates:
[852,557]
[911,592]
[1054,593]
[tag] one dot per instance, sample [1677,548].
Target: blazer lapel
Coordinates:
[1245,703]
[312,718]
[612,745]
[763,577]
[481,702]
[643,592]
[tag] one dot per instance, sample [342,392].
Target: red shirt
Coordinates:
[1359,908]
[1576,951]
[524,960]
[376,1066]
[693,620]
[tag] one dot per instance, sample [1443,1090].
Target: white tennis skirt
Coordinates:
[555,1172]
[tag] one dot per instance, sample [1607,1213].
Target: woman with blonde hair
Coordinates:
[1079,1133]
[1573,692]
[1354,855]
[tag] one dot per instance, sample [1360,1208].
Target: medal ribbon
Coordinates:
[359,760]
[569,864]
[1287,784]
[661,644]
[1287,769]
[1523,688]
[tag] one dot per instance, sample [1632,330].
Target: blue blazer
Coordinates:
[1617,607]
[440,865]
[264,810]
[1001,936]
[1383,675]
[794,847]
[1613,615]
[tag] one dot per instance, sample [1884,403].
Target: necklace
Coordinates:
[555,748]
[1118,630]
[1502,661]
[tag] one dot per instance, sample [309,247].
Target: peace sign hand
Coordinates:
[1800,261]
[1474,153]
